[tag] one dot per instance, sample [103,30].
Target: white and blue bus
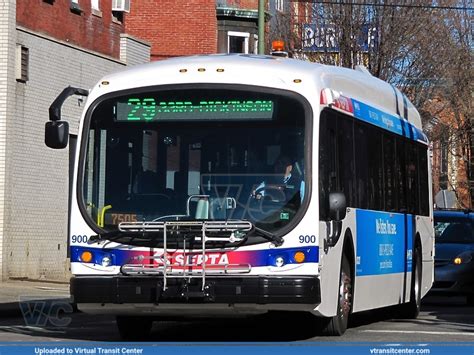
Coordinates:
[226,184]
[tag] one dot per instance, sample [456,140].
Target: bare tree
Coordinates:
[425,48]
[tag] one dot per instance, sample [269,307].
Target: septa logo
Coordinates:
[182,259]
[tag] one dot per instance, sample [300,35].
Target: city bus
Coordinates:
[244,184]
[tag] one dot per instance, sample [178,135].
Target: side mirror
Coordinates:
[56,134]
[337,206]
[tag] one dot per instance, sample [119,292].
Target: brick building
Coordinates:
[46,45]
[451,151]
[188,27]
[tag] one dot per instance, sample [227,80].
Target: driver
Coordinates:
[285,180]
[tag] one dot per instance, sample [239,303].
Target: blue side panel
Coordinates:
[387,121]
[381,242]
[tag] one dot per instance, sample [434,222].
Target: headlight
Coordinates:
[463,258]
[279,261]
[106,261]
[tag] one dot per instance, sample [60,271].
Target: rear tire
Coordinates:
[337,325]
[411,310]
[134,328]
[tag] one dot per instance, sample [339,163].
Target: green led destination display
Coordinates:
[149,109]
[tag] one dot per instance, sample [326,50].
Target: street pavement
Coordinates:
[42,311]
[15,292]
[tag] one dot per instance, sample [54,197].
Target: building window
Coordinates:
[279,5]
[95,8]
[118,8]
[95,5]
[74,7]
[238,42]
[117,16]
[22,63]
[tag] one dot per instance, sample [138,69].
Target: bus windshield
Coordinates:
[195,154]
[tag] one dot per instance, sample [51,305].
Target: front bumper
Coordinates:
[454,280]
[217,290]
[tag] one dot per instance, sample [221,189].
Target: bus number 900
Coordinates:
[79,239]
[307,239]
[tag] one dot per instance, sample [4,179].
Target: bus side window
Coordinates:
[328,179]
[412,178]
[362,168]
[346,158]
[391,204]
[401,174]
[375,168]
[423,176]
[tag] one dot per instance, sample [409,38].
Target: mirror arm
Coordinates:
[333,233]
[55,108]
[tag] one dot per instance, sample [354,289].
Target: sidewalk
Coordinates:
[12,292]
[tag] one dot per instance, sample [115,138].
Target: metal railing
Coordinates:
[199,231]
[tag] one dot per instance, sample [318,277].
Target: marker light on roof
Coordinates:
[278,45]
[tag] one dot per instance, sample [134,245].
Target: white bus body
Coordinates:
[358,252]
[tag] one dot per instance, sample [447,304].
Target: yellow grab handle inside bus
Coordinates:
[100,216]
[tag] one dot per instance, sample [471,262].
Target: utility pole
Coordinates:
[261,26]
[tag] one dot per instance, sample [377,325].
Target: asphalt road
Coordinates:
[441,320]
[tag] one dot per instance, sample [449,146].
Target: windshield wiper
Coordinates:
[275,239]
[112,235]
[115,235]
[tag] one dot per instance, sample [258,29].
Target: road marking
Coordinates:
[419,332]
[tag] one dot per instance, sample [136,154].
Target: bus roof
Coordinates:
[303,77]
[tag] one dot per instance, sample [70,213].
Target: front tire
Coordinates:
[134,328]
[337,325]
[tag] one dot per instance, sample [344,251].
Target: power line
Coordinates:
[397,16]
[420,6]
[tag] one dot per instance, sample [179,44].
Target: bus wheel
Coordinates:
[337,325]
[411,309]
[134,328]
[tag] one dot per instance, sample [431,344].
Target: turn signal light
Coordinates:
[86,257]
[299,257]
